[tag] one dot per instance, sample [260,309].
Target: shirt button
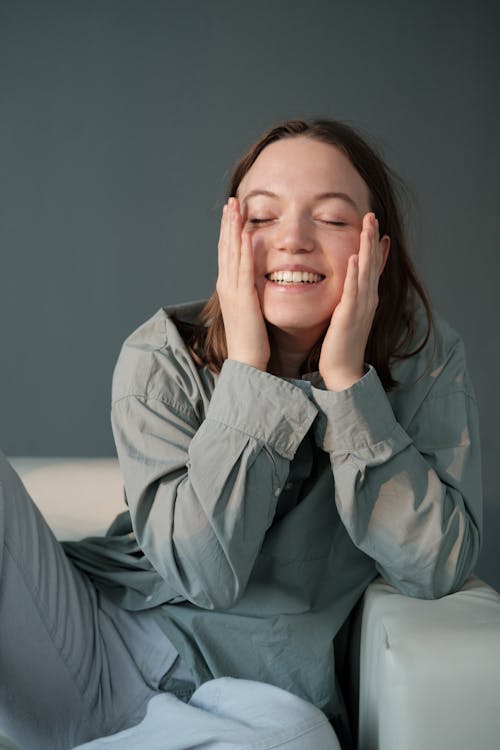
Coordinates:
[277,492]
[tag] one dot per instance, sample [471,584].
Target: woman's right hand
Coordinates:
[246,333]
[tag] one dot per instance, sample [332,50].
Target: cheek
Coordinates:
[339,252]
[259,253]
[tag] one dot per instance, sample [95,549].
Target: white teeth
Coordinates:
[295,277]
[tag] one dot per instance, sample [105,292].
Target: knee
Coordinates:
[273,715]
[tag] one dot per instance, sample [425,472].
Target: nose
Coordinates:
[293,235]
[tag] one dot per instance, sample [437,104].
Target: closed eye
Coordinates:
[254,220]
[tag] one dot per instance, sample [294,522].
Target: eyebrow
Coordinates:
[319,197]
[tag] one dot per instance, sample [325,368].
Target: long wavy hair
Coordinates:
[394,327]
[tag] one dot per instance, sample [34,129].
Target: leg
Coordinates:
[227,714]
[67,674]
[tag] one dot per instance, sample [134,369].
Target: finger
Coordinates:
[228,263]
[383,246]
[350,291]
[366,251]
[222,246]
[234,240]
[375,268]
[247,274]
[377,248]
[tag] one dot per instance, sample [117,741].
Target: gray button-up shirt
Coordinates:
[261,507]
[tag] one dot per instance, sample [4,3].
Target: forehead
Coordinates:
[300,167]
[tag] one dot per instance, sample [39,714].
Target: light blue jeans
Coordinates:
[75,668]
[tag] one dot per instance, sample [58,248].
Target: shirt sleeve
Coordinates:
[203,493]
[409,496]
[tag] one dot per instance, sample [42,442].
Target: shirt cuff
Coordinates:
[356,418]
[263,406]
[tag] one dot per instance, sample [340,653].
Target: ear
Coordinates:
[385,246]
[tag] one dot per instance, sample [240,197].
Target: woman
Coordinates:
[308,428]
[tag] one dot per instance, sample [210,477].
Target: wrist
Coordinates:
[341,381]
[243,360]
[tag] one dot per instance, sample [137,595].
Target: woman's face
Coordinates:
[303,203]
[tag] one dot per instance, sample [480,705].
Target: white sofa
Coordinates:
[423,675]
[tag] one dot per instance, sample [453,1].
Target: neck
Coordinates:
[288,350]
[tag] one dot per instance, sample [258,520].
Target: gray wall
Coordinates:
[119,123]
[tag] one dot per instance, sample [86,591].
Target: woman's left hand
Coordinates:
[342,355]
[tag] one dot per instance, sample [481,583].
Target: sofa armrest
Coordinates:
[430,670]
[78,497]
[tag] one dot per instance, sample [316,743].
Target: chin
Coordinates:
[292,310]
[293,322]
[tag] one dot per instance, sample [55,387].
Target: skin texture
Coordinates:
[295,228]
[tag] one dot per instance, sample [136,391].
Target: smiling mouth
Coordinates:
[294,277]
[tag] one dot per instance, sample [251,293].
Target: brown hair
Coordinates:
[400,290]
